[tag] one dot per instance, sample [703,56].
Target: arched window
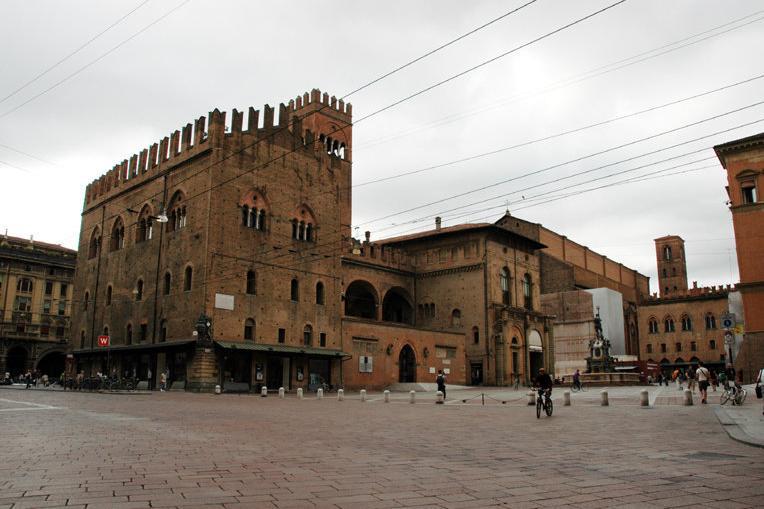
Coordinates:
[106,331]
[304,224]
[320,293]
[668,324]
[710,321]
[665,273]
[95,243]
[396,306]
[712,344]
[504,280]
[24,285]
[251,283]
[117,235]
[167,283]
[254,211]
[294,290]
[475,335]
[527,285]
[85,301]
[145,225]
[139,290]
[188,278]
[652,326]
[249,329]
[686,323]
[163,330]
[176,212]
[307,335]
[456,318]
[667,253]
[108,295]
[361,300]
[129,334]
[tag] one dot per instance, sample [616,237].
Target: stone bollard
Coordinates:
[363,395]
[281,392]
[439,398]
[412,397]
[320,393]
[566,398]
[603,399]
[531,398]
[687,397]
[264,392]
[644,398]
[299,393]
[340,394]
[387,396]
[217,389]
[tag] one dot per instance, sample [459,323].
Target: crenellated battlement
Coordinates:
[380,254]
[329,132]
[694,293]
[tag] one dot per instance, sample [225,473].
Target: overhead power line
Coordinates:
[70,55]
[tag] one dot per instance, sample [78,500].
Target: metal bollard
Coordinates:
[603,399]
[387,396]
[320,393]
[566,398]
[217,389]
[412,397]
[439,398]
[644,398]
[299,393]
[264,392]
[531,398]
[363,395]
[687,397]
[340,394]
[281,392]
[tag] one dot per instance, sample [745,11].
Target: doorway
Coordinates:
[407,365]
[476,372]
[16,362]
[274,372]
[537,362]
[318,373]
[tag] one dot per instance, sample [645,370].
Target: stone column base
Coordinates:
[203,370]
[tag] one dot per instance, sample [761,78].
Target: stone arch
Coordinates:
[396,306]
[535,352]
[361,300]
[16,360]
[52,363]
[407,364]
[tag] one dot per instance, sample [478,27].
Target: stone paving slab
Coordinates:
[180,450]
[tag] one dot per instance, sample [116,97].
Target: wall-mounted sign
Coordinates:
[223,301]
[365,364]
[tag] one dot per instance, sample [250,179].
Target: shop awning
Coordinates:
[133,348]
[292,350]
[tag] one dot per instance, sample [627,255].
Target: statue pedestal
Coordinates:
[203,370]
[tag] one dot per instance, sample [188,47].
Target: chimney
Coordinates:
[694,284]
[437,223]
[368,236]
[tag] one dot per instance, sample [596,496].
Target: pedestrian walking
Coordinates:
[163,381]
[703,376]
[691,378]
[28,379]
[441,381]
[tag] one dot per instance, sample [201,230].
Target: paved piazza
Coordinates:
[80,450]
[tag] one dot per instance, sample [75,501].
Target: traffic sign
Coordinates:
[728,320]
[103,340]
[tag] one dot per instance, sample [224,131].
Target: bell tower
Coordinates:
[672,265]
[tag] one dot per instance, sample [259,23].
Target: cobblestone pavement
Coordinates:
[169,450]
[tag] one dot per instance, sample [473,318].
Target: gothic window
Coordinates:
[668,324]
[251,283]
[254,211]
[167,283]
[667,253]
[504,281]
[653,326]
[108,295]
[320,293]
[139,290]
[710,321]
[686,323]
[145,225]
[304,225]
[249,329]
[117,235]
[95,244]
[475,335]
[176,218]
[527,284]
[188,279]
[307,335]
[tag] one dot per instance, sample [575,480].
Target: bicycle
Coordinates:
[575,387]
[735,393]
[544,401]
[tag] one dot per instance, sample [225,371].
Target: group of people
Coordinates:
[30,378]
[698,376]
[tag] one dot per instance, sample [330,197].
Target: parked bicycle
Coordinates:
[544,401]
[577,386]
[735,392]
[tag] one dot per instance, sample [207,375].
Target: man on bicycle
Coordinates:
[544,381]
[577,380]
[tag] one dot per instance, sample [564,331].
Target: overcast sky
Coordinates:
[236,54]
